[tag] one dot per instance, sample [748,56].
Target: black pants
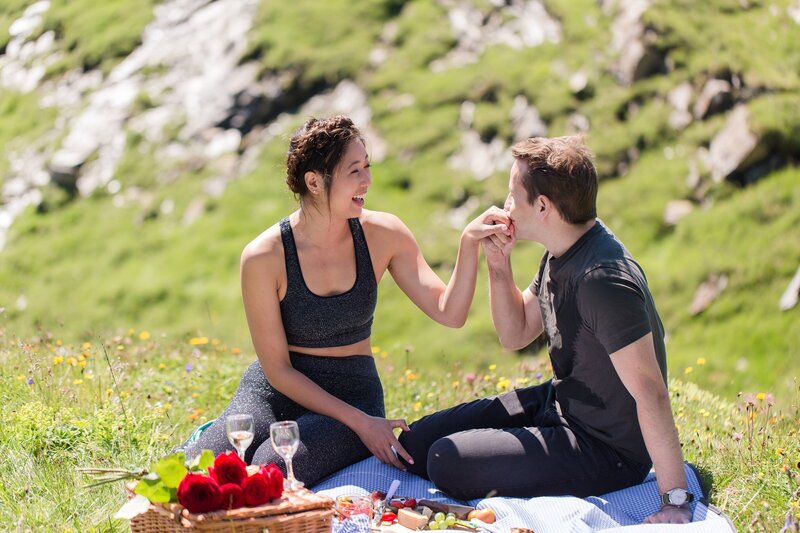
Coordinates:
[514,444]
[326,445]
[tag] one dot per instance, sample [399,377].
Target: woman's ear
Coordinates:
[313,182]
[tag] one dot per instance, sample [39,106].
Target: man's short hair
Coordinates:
[560,168]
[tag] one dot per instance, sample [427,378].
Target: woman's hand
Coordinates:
[492,222]
[377,435]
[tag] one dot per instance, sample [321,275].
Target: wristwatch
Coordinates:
[677,497]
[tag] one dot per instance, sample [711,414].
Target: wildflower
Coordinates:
[120,347]
[143,336]
[197,341]
[215,342]
[81,364]
[492,366]
[109,392]
[538,375]
[503,383]
[688,370]
[384,354]
[90,376]
[188,367]
[470,377]
[456,384]
[86,345]
[522,381]
[779,452]
[167,406]
[410,376]
[77,381]
[58,342]
[417,406]
[57,360]
[162,366]
[737,436]
[30,381]
[770,399]
[701,361]
[235,351]
[375,350]
[761,396]
[192,417]
[195,395]
[72,361]
[131,331]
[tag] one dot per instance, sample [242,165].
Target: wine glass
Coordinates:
[285,437]
[239,429]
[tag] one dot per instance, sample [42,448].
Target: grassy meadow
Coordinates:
[121,324]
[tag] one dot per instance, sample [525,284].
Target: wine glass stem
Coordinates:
[241,453]
[290,472]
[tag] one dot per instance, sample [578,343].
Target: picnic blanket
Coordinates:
[621,511]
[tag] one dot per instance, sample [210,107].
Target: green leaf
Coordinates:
[153,489]
[206,459]
[171,469]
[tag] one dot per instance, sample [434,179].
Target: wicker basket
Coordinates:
[299,511]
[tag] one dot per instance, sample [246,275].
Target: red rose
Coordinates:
[228,468]
[257,490]
[232,496]
[199,494]
[275,477]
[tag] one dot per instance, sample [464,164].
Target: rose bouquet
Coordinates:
[204,485]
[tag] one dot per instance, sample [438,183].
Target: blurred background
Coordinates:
[142,145]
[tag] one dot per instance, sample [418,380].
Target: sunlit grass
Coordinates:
[126,399]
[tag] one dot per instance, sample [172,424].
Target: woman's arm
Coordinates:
[259,274]
[447,304]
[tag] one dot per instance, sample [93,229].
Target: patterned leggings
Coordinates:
[326,445]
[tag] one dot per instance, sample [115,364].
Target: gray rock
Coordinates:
[707,292]
[735,147]
[679,99]
[791,294]
[480,158]
[525,120]
[794,11]
[676,210]
[638,58]
[715,97]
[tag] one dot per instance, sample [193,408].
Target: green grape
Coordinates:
[450,520]
[439,517]
[433,525]
[442,524]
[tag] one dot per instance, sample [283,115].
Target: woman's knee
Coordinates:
[446,469]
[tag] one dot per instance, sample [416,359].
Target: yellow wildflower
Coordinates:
[58,342]
[197,341]
[90,376]
[456,384]
[492,366]
[109,392]
[57,360]
[72,361]
[215,342]
[503,383]
[761,396]
[701,361]
[417,406]
[688,370]
[81,363]
[77,382]
[195,395]
[120,347]
[143,336]
[162,366]
[20,377]
[86,345]
[235,351]
[167,406]
[375,350]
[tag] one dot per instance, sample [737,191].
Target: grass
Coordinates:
[126,399]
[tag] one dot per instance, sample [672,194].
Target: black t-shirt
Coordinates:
[595,301]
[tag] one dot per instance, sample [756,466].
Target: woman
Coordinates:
[309,285]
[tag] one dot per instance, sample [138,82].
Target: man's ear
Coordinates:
[543,204]
[314,182]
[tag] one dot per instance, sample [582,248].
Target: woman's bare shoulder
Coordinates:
[383,223]
[266,248]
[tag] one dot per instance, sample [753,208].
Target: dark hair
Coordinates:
[560,168]
[318,146]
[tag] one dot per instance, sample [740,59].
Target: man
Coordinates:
[605,418]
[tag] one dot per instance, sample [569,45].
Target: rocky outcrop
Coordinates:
[679,99]
[481,159]
[707,292]
[791,294]
[25,61]
[514,23]
[716,97]
[736,148]
[632,42]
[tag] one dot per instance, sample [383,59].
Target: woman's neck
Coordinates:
[318,228]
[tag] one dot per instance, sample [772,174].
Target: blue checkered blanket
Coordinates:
[621,511]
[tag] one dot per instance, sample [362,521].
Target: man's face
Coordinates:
[517,205]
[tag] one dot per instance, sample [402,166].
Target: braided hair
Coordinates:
[318,146]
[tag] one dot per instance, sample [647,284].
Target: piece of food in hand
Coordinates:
[485,515]
[411,519]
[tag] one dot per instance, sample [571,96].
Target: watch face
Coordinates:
[677,497]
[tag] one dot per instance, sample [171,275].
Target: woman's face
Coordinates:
[351,180]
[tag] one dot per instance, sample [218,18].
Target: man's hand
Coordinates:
[377,435]
[670,514]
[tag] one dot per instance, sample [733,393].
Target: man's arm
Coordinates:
[638,369]
[516,315]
